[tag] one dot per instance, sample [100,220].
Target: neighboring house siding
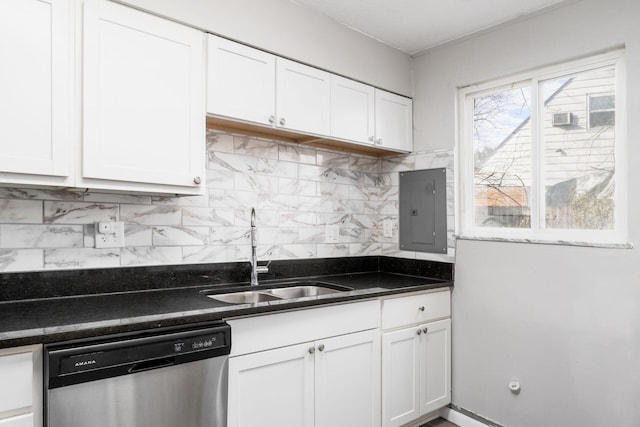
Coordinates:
[578,150]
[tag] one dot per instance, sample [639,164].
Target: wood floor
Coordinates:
[439,422]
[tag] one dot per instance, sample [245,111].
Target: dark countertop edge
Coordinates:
[184,318]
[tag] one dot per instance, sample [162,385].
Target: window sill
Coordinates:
[549,242]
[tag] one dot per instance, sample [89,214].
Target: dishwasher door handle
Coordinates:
[152,364]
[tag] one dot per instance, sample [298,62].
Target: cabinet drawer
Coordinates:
[16,387]
[20,421]
[259,333]
[415,309]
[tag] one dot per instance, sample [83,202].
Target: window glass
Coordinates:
[601,110]
[502,158]
[606,102]
[579,160]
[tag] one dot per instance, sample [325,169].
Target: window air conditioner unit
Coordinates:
[562,119]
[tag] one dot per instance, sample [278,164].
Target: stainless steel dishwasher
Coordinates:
[170,379]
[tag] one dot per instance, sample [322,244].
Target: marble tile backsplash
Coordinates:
[297,191]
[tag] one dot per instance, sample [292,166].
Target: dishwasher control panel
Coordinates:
[80,362]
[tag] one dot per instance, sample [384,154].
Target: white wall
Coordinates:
[563,320]
[285,28]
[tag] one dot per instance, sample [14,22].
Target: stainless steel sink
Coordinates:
[280,291]
[303,291]
[248,297]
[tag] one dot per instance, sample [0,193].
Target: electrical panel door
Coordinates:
[423,211]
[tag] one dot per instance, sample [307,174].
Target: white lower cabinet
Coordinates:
[435,366]
[19,421]
[324,382]
[347,380]
[273,387]
[21,387]
[416,362]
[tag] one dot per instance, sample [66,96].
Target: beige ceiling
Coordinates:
[417,25]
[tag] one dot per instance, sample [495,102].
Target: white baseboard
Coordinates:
[459,418]
[423,420]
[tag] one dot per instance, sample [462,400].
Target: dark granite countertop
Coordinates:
[61,318]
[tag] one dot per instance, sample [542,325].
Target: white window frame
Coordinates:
[465,227]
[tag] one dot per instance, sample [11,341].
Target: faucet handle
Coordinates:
[263,268]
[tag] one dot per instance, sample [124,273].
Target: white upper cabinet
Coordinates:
[143,102]
[256,87]
[36,83]
[241,81]
[250,85]
[352,110]
[303,98]
[394,121]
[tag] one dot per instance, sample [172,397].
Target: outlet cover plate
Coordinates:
[112,239]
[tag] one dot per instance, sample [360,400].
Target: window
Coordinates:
[602,110]
[522,176]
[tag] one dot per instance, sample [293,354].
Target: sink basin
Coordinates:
[280,291]
[303,291]
[248,297]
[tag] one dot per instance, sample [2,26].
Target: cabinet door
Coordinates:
[352,110]
[36,83]
[272,388]
[435,366]
[394,121]
[347,375]
[400,377]
[16,387]
[144,118]
[303,98]
[241,82]
[19,421]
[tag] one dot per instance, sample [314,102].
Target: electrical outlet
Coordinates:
[387,228]
[332,232]
[109,234]
[105,227]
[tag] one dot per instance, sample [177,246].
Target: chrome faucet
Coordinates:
[254,258]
